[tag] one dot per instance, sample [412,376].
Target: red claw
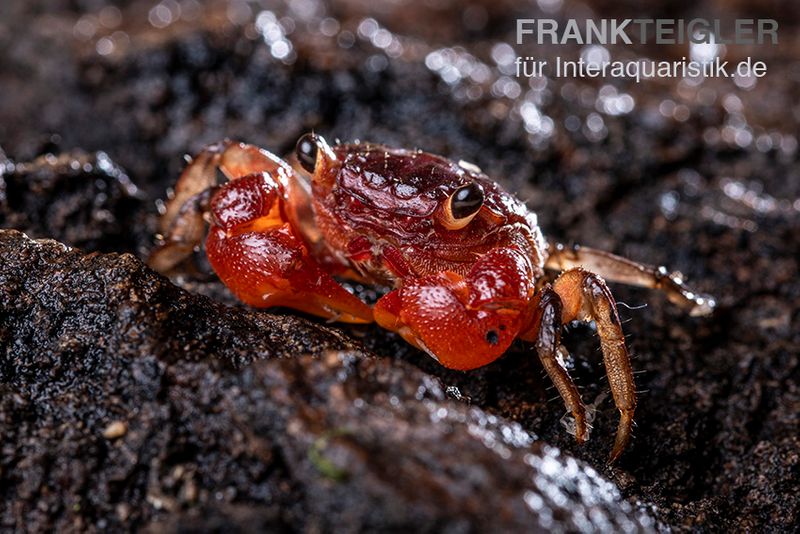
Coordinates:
[487,308]
[259,256]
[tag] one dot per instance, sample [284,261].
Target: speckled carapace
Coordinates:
[466,260]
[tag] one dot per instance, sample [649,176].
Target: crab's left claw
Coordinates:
[464,322]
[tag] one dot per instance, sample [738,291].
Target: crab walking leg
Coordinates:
[545,332]
[586,297]
[618,269]
[187,231]
[183,226]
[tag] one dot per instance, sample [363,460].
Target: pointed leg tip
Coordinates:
[704,305]
[166,256]
[620,444]
[581,432]
[623,435]
[615,454]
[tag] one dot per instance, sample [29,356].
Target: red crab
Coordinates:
[466,259]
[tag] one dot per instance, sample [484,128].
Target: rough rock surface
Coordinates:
[126,399]
[81,199]
[704,178]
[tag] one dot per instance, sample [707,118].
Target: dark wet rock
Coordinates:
[59,300]
[83,199]
[126,400]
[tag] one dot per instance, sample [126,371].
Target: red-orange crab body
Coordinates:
[387,215]
[465,257]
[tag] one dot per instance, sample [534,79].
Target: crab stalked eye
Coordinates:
[306,151]
[462,206]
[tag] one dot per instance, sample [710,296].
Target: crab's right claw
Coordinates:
[260,256]
[183,224]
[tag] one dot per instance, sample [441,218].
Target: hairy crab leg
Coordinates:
[618,269]
[585,296]
[545,332]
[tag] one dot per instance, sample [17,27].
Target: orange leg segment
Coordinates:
[586,297]
[545,332]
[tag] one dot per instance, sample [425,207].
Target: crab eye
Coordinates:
[462,206]
[306,151]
